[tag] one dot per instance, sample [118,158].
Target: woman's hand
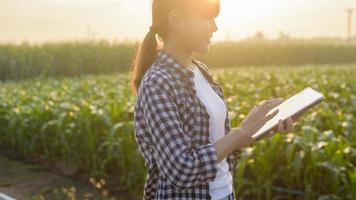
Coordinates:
[283,127]
[257,118]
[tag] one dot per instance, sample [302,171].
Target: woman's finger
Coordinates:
[265,103]
[287,125]
[272,105]
[270,116]
[290,127]
[280,126]
[275,129]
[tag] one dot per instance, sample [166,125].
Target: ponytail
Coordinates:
[145,57]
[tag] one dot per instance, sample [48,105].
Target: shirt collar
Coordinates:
[168,61]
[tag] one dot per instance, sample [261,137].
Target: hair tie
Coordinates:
[153,29]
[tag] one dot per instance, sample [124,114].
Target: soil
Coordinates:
[22,180]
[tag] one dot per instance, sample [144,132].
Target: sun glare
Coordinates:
[242,18]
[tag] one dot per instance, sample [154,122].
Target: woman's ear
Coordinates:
[174,19]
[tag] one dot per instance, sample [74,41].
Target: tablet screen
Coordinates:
[293,105]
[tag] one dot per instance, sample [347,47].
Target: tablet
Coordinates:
[294,105]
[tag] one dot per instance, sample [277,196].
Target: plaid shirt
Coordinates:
[172,132]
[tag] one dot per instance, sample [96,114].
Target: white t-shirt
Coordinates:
[222,184]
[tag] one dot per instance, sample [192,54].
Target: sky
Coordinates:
[58,20]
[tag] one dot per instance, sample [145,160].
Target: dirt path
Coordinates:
[27,181]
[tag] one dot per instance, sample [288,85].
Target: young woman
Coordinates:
[182,125]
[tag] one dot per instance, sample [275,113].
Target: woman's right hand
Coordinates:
[257,118]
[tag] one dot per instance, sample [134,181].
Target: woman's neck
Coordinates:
[179,52]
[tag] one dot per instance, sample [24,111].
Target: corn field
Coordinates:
[26,60]
[83,126]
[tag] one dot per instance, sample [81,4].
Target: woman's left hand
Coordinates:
[283,127]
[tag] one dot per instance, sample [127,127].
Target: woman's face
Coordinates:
[196,32]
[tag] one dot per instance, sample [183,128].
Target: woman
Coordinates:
[182,125]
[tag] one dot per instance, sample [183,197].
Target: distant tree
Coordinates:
[259,36]
[283,36]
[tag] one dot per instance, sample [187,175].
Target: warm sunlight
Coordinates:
[302,18]
[119,99]
[116,19]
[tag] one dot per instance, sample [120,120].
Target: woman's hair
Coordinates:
[147,52]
